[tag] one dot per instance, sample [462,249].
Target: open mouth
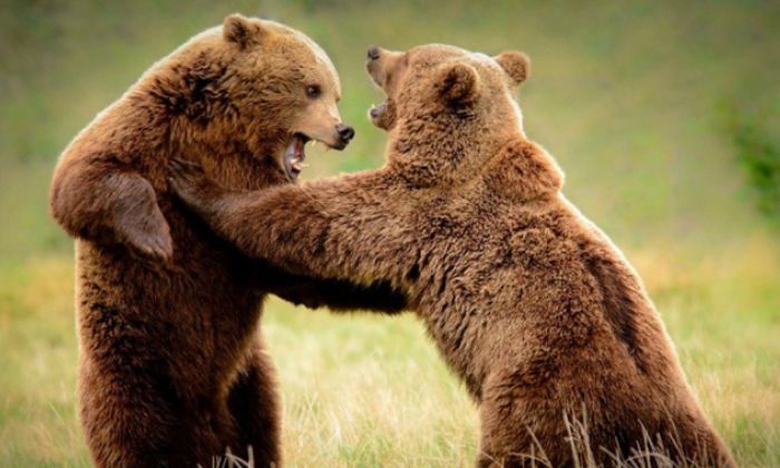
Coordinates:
[294,155]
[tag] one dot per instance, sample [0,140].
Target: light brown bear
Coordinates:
[529,303]
[173,368]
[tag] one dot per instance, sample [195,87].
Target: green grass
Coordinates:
[625,96]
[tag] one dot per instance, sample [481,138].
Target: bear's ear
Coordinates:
[516,64]
[457,83]
[238,29]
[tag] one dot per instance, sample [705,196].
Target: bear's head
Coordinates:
[257,85]
[449,111]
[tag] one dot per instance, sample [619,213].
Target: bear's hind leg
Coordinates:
[520,426]
[506,442]
[254,405]
[131,423]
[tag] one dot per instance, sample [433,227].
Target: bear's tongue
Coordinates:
[294,156]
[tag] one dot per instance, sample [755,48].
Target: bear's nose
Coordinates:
[345,132]
[373,53]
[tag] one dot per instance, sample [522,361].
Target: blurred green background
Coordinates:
[656,110]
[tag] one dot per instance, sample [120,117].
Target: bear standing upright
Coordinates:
[173,369]
[528,302]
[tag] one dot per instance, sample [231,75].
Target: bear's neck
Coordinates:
[232,164]
[502,162]
[448,156]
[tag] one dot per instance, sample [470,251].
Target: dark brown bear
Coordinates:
[173,368]
[529,303]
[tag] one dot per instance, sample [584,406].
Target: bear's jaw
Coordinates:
[294,155]
[383,116]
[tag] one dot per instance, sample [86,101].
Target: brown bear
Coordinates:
[529,303]
[173,369]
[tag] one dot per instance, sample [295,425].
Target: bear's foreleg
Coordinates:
[335,229]
[94,200]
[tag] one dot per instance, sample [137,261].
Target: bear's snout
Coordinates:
[383,64]
[345,132]
[373,53]
[375,65]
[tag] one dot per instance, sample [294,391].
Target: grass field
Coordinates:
[627,97]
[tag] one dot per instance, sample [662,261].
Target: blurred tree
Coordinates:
[758,154]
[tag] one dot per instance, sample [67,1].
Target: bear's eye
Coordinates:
[313,91]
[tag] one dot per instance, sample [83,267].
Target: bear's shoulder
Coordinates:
[524,171]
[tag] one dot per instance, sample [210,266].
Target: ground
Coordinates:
[404,407]
[626,98]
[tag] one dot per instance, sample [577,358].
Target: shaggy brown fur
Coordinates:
[173,368]
[528,302]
